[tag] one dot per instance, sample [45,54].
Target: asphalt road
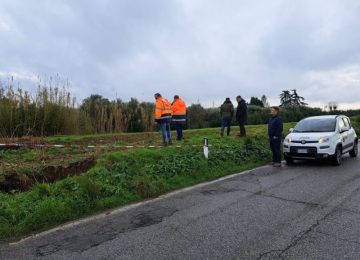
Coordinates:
[306,211]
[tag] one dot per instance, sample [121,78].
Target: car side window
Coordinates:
[347,120]
[346,123]
[341,124]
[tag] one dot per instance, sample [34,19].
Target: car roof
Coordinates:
[324,117]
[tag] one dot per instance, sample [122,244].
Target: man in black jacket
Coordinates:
[227,113]
[241,115]
[275,130]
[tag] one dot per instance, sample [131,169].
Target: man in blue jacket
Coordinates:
[275,130]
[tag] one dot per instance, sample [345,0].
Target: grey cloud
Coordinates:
[314,35]
[201,49]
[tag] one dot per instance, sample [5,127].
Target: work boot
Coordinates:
[222,134]
[165,144]
[170,142]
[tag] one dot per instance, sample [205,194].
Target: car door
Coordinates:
[351,132]
[344,132]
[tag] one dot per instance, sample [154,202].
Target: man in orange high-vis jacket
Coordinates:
[178,116]
[163,117]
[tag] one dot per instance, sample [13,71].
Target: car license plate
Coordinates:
[302,151]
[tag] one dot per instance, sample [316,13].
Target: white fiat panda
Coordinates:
[321,137]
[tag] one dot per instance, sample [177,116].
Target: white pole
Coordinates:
[206,148]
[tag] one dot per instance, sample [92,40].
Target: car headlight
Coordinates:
[288,139]
[324,140]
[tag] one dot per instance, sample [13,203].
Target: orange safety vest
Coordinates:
[162,108]
[179,112]
[179,107]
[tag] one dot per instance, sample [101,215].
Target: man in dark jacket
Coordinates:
[241,115]
[275,130]
[227,113]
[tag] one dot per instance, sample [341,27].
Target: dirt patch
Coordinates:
[48,174]
[129,139]
[22,140]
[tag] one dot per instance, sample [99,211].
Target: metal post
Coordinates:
[206,148]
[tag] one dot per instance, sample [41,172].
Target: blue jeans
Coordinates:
[226,123]
[179,131]
[166,131]
[275,145]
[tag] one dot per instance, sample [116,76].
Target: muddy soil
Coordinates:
[48,174]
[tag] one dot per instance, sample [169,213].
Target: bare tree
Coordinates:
[332,106]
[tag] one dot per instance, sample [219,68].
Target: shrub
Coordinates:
[90,188]
[42,190]
[45,213]
[142,185]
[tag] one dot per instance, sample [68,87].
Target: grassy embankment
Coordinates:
[123,177]
[356,124]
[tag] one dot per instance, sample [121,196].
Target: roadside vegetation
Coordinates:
[123,177]
[52,110]
[356,124]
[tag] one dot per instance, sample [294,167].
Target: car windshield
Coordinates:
[316,125]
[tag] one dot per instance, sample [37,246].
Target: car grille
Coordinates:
[311,151]
[304,142]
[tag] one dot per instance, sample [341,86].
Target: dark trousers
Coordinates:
[226,123]
[275,145]
[165,131]
[242,128]
[179,131]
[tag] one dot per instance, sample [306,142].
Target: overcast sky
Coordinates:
[203,50]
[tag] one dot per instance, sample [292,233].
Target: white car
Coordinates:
[321,137]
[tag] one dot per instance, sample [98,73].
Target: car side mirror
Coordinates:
[342,130]
[291,130]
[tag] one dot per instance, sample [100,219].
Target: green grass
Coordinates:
[355,121]
[124,177]
[193,136]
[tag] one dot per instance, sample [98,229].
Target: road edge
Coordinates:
[131,206]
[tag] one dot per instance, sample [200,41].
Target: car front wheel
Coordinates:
[337,156]
[354,151]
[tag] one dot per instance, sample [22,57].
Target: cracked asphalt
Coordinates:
[306,211]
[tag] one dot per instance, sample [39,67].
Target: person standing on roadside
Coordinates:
[163,117]
[227,113]
[178,116]
[275,130]
[241,115]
